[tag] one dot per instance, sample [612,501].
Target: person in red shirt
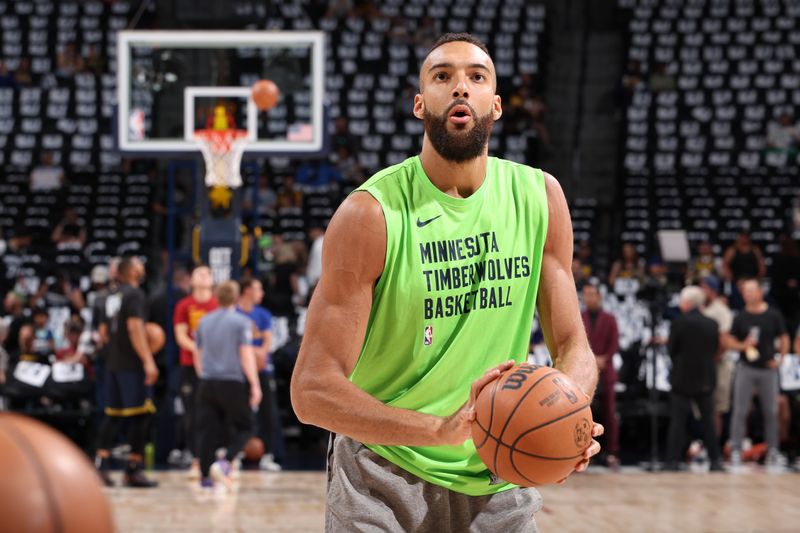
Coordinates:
[601,329]
[186,318]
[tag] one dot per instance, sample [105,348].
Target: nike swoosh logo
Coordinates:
[422,224]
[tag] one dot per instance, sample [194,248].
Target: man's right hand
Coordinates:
[150,372]
[457,428]
[255,396]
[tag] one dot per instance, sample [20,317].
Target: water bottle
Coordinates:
[149,456]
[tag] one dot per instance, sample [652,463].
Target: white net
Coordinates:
[222,151]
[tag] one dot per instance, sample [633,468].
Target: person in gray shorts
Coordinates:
[753,333]
[414,305]
[226,366]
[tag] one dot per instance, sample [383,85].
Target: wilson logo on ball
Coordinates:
[519,376]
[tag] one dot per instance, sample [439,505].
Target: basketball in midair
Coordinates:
[265,94]
[48,483]
[532,425]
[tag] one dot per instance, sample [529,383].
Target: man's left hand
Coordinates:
[592,450]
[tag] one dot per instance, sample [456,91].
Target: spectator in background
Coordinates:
[785,288]
[603,335]
[632,81]
[578,275]
[339,9]
[265,196]
[629,265]
[4,358]
[351,171]
[71,353]
[6,79]
[270,430]
[24,351]
[186,318]
[68,62]
[754,333]
[426,33]
[107,286]
[316,233]
[342,136]
[584,255]
[783,134]
[318,173]
[716,308]
[15,317]
[742,260]
[693,346]
[704,264]
[661,80]
[47,176]
[283,280]
[70,230]
[43,339]
[22,76]
[94,62]
[289,197]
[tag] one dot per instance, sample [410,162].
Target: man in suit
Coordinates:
[693,345]
[603,335]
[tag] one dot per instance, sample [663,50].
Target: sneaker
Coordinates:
[102,465]
[612,461]
[268,463]
[135,478]
[194,470]
[236,467]
[221,471]
[776,461]
[206,483]
[716,466]
[175,458]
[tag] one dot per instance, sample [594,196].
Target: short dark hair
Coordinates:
[458,37]
[125,264]
[246,284]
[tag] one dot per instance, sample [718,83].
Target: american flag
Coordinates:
[300,133]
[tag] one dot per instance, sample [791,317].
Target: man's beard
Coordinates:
[458,146]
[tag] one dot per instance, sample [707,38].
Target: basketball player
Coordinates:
[226,364]
[186,318]
[131,373]
[431,273]
[269,424]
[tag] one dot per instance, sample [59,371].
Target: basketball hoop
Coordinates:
[222,151]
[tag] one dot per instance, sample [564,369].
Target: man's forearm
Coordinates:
[139,342]
[578,362]
[329,401]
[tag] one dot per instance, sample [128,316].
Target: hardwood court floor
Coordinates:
[596,501]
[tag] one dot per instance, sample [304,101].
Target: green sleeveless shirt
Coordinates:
[456,297]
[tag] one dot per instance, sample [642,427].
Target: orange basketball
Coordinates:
[48,483]
[532,425]
[254,449]
[155,336]
[265,94]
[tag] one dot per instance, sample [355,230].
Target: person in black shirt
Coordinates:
[131,374]
[693,346]
[742,260]
[754,332]
[70,229]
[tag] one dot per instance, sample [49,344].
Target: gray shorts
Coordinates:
[367,493]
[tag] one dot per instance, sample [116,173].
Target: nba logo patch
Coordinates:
[428,336]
